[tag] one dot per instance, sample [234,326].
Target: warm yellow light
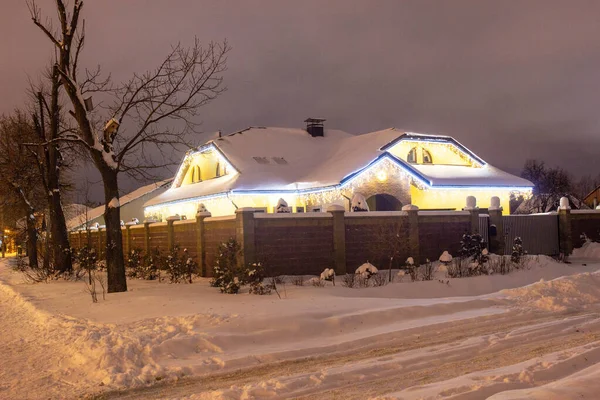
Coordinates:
[381,176]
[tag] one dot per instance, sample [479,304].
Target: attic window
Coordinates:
[412,156]
[261,160]
[280,160]
[427,157]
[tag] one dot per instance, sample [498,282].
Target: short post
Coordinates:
[339,238]
[244,234]
[414,247]
[474,210]
[497,239]
[200,243]
[564,227]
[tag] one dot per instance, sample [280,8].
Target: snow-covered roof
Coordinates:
[293,160]
[91,214]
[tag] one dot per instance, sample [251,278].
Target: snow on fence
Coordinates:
[310,242]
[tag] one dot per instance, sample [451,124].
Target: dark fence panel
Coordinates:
[538,231]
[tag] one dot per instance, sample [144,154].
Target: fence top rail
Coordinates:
[371,214]
[596,212]
[138,226]
[552,213]
[222,218]
[184,221]
[292,215]
[444,213]
[153,224]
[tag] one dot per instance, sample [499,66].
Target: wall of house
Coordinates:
[455,199]
[442,153]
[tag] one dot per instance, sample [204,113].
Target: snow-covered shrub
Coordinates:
[401,274]
[458,268]
[426,271]
[366,270]
[298,280]
[359,203]
[151,266]
[255,275]
[349,280]
[446,258]
[518,253]
[316,282]
[228,275]
[473,247]
[379,279]
[328,275]
[411,268]
[135,264]
[179,266]
[499,265]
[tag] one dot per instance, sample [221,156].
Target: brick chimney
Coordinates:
[314,126]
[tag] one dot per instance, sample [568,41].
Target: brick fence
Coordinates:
[310,242]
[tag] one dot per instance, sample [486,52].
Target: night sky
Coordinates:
[511,80]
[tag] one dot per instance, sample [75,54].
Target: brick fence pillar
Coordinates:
[414,247]
[80,241]
[147,237]
[200,243]
[564,231]
[497,241]
[474,210]
[170,235]
[244,234]
[339,238]
[127,240]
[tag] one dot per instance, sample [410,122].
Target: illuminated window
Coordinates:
[427,157]
[412,156]
[218,172]
[196,177]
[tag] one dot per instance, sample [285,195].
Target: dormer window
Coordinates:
[218,172]
[427,157]
[412,156]
[196,177]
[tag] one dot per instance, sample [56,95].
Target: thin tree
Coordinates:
[138,116]
[20,182]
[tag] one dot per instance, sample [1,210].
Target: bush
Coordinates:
[518,253]
[379,279]
[180,266]
[349,280]
[151,266]
[135,264]
[227,271]
[298,280]
[255,275]
[500,265]
[426,271]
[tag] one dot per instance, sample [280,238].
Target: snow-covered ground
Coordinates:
[530,334]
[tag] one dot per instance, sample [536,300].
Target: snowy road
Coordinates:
[416,363]
[424,340]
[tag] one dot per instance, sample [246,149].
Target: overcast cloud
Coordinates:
[511,80]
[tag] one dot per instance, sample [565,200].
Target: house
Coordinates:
[592,200]
[132,206]
[314,167]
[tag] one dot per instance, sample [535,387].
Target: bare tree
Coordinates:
[138,116]
[550,184]
[18,178]
[50,125]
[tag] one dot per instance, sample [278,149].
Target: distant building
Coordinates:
[132,206]
[313,168]
[592,200]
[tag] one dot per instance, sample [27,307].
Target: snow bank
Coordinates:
[588,250]
[566,293]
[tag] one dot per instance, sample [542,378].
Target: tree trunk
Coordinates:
[115,264]
[32,252]
[61,250]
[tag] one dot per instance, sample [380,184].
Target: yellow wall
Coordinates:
[457,198]
[442,154]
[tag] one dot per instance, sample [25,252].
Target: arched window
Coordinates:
[196,177]
[218,172]
[427,157]
[412,156]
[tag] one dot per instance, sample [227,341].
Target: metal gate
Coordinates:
[484,226]
[538,231]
